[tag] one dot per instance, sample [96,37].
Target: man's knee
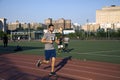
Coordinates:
[53,58]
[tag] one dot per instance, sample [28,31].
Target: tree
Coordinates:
[118,33]
[101,32]
[1,34]
[40,28]
[19,29]
[72,35]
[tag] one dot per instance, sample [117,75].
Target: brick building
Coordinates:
[60,23]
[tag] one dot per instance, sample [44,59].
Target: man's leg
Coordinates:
[65,47]
[52,73]
[53,57]
[67,50]
[53,64]
[46,61]
[58,49]
[4,44]
[42,62]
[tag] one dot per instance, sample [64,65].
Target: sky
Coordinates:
[39,10]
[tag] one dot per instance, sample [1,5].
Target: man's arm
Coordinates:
[57,41]
[43,40]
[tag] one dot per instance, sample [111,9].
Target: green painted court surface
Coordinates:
[103,51]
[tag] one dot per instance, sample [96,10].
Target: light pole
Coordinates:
[29,32]
[87,28]
[11,35]
[108,33]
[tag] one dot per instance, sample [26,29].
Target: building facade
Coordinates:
[91,27]
[17,24]
[60,23]
[108,15]
[3,25]
[106,18]
[14,25]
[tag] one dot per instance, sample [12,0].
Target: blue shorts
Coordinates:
[49,54]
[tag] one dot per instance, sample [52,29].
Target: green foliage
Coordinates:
[100,34]
[118,33]
[58,35]
[1,34]
[40,28]
[72,35]
[19,29]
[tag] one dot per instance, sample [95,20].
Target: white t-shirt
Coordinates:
[66,40]
[49,36]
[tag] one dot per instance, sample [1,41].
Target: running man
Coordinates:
[50,52]
[60,45]
[5,40]
[66,42]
